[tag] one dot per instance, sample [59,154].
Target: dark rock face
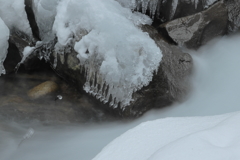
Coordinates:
[233,7]
[195,30]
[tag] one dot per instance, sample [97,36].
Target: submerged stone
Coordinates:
[42,89]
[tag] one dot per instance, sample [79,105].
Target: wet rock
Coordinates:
[42,89]
[196,30]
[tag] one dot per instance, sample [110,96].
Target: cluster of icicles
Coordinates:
[119,95]
[154,5]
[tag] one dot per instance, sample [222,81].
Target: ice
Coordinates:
[45,12]
[4,36]
[118,57]
[13,14]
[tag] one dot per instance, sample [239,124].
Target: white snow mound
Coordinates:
[198,138]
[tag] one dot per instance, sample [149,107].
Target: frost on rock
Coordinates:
[45,12]
[4,36]
[117,57]
[13,14]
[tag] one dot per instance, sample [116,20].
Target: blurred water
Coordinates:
[215,91]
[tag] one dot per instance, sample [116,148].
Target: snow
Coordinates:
[118,57]
[13,14]
[187,138]
[4,36]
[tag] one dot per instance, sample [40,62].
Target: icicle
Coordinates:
[196,3]
[144,6]
[153,7]
[174,7]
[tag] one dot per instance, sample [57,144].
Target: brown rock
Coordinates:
[42,89]
[195,30]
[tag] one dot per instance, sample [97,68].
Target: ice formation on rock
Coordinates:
[45,12]
[118,58]
[13,14]
[4,36]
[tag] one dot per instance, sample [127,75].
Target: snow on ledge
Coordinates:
[187,138]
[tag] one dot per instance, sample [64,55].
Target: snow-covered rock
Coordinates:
[169,84]
[117,56]
[187,138]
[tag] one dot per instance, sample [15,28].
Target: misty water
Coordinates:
[215,90]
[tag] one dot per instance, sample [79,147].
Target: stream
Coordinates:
[215,90]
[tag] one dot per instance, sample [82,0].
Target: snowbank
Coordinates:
[198,138]
[4,36]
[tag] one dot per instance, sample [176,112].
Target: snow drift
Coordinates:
[198,138]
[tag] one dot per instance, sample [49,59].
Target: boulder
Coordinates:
[195,30]
[169,84]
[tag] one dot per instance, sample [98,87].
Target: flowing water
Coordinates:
[215,90]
